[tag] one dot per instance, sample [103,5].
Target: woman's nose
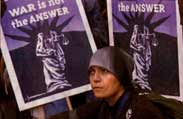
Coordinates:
[96,77]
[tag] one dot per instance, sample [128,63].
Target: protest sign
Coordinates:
[46,45]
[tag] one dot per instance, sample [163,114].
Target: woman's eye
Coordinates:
[91,72]
[105,71]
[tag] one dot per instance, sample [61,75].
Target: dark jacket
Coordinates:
[129,106]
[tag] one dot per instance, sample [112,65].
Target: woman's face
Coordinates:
[104,83]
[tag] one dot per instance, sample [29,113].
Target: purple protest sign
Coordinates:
[46,45]
[148,30]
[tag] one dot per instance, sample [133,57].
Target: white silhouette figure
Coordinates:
[51,52]
[140,43]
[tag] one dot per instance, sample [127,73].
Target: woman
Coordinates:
[110,72]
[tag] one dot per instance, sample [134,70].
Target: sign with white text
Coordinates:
[150,31]
[46,45]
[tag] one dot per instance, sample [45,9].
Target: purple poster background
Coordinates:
[167,27]
[156,59]
[23,7]
[49,49]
